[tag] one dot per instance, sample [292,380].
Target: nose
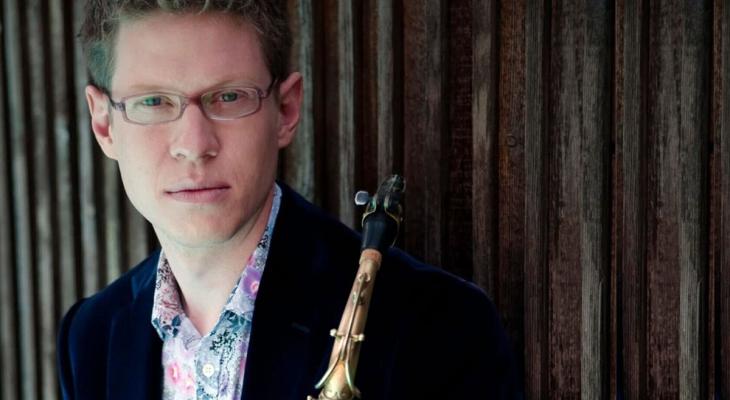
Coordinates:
[195,137]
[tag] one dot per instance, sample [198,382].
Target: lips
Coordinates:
[192,192]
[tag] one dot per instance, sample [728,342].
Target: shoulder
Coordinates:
[89,320]
[83,336]
[121,292]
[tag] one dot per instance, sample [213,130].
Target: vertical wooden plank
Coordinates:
[111,220]
[537,198]
[369,97]
[8,321]
[43,270]
[346,128]
[458,147]
[510,158]
[662,266]
[424,126]
[90,255]
[21,177]
[485,51]
[715,284]
[722,149]
[137,236]
[629,217]
[595,123]
[380,149]
[692,216]
[676,237]
[299,158]
[63,166]
[386,108]
[568,69]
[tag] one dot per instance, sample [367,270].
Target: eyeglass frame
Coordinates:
[186,101]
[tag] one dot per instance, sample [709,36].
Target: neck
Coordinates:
[206,275]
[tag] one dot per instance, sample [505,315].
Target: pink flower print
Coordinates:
[174,374]
[251,282]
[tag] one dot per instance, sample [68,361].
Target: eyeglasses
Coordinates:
[219,104]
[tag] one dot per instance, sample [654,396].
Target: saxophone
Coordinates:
[381,221]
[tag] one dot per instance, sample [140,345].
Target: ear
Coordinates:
[290,105]
[100,119]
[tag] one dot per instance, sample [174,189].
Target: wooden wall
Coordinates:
[571,157]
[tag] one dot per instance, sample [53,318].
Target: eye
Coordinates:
[228,96]
[152,101]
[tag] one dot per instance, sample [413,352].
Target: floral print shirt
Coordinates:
[213,366]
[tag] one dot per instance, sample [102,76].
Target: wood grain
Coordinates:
[509,180]
[346,128]
[8,318]
[42,270]
[722,239]
[20,134]
[692,221]
[484,115]
[90,230]
[423,118]
[630,195]
[65,175]
[594,103]
[537,198]
[299,157]
[567,76]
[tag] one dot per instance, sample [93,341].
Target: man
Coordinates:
[193,99]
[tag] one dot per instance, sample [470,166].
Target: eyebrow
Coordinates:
[149,88]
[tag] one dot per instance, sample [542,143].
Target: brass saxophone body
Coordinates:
[381,221]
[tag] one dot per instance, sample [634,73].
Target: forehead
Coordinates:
[186,53]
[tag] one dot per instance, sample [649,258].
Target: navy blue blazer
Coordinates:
[429,335]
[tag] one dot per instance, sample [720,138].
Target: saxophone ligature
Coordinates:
[381,221]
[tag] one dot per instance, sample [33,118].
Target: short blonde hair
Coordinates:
[102,18]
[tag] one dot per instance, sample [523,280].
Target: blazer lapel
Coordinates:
[289,339]
[135,349]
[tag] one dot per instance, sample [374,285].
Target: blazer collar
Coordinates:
[283,358]
[134,364]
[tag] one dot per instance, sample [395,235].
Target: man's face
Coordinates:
[200,182]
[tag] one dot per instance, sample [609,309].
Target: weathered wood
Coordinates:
[111,220]
[137,236]
[90,230]
[387,108]
[722,149]
[663,267]
[346,129]
[537,198]
[485,50]
[64,139]
[594,103]
[566,211]
[20,133]
[8,322]
[692,216]
[457,147]
[630,199]
[299,158]
[423,118]
[510,170]
[43,269]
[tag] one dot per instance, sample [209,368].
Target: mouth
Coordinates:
[197,193]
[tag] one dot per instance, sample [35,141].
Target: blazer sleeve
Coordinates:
[65,355]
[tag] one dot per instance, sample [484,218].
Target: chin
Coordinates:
[197,234]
